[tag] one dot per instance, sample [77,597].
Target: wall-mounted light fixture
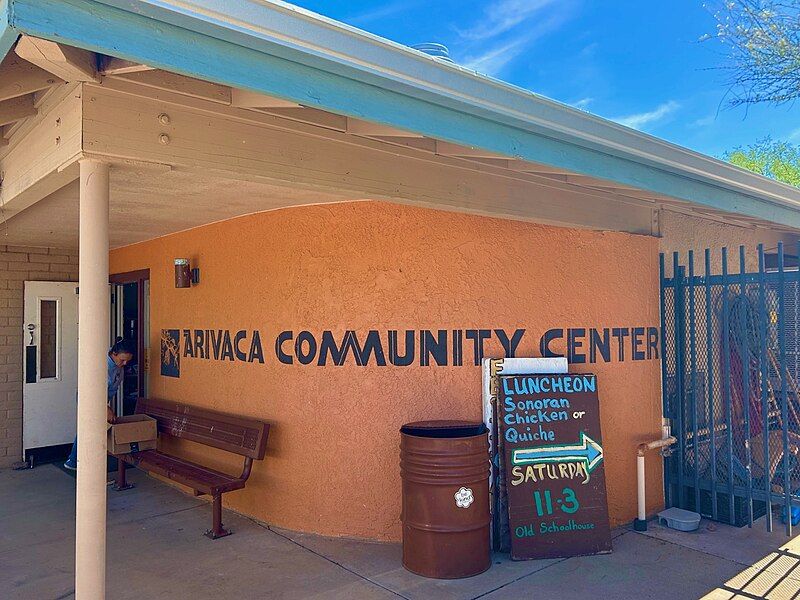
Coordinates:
[185,276]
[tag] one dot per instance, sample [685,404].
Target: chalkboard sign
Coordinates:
[493,368]
[557,505]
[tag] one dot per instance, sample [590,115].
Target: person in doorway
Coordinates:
[120,354]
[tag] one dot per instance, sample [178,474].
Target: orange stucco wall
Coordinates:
[332,463]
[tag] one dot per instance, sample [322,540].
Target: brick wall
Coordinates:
[17,265]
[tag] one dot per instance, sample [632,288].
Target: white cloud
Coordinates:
[705,121]
[500,38]
[794,136]
[495,58]
[502,16]
[583,103]
[639,120]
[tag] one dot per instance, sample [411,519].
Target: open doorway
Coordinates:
[130,295]
[50,359]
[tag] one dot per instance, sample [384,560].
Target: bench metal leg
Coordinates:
[121,482]
[217,531]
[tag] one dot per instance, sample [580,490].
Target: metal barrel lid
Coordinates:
[444,429]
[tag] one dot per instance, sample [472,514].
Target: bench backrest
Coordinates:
[240,435]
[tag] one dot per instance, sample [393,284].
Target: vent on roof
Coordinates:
[440,51]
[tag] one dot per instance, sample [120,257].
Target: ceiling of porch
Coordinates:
[147,203]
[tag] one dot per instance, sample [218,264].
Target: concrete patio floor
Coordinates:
[156,550]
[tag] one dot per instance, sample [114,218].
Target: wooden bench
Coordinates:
[238,435]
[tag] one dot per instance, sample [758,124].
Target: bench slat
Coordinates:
[203,479]
[240,435]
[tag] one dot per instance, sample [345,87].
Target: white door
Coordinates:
[50,364]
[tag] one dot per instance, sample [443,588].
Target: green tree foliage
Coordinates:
[778,160]
[762,41]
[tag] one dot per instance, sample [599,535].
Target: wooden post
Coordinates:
[93,332]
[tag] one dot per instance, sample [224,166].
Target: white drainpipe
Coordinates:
[640,523]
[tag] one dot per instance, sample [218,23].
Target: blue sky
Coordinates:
[638,62]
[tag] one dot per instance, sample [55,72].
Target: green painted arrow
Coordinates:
[587,451]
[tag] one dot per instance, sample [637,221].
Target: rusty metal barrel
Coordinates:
[444,466]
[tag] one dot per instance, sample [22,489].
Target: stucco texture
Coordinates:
[332,461]
[681,233]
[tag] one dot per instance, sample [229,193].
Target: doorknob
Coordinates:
[31,328]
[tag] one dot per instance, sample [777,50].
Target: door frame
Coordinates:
[140,277]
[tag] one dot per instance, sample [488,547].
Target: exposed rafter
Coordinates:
[448,149]
[18,77]
[421,143]
[108,65]
[41,156]
[312,116]
[164,80]
[16,109]
[359,127]
[247,99]
[597,183]
[66,62]
[631,193]
[492,162]
[535,168]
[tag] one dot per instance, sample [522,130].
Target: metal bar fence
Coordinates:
[680,337]
[726,378]
[737,423]
[710,386]
[745,394]
[663,344]
[764,370]
[784,388]
[693,381]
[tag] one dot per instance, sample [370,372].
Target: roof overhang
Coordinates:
[277,49]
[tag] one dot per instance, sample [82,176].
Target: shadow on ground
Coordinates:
[156,550]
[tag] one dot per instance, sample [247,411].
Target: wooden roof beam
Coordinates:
[448,149]
[35,166]
[66,62]
[641,194]
[248,99]
[110,65]
[369,129]
[421,143]
[18,78]
[312,116]
[16,109]
[535,168]
[492,162]
[598,183]
[188,86]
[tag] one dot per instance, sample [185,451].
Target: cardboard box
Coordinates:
[133,433]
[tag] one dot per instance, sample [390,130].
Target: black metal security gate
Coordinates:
[731,384]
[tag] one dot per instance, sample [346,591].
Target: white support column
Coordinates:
[93,332]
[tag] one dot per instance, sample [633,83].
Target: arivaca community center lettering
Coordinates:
[403,348]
